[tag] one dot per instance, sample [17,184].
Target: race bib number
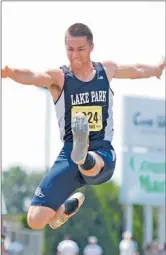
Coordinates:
[93,115]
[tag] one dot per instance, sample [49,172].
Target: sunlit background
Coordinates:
[33,38]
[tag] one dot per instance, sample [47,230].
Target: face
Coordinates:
[78,50]
[127,236]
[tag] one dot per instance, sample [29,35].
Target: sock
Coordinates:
[71,205]
[89,162]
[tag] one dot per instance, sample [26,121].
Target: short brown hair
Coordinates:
[80,29]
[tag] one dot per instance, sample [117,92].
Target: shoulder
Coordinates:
[110,68]
[99,247]
[75,245]
[110,65]
[121,243]
[68,243]
[86,249]
[57,75]
[60,246]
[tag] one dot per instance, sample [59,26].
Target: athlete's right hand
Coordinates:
[5,72]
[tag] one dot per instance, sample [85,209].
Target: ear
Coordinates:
[92,47]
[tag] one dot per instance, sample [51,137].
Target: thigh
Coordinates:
[109,158]
[58,184]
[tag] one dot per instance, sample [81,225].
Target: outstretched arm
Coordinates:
[27,77]
[136,71]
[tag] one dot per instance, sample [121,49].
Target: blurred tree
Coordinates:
[32,181]
[14,188]
[17,186]
[138,220]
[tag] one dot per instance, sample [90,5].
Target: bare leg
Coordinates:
[39,216]
[99,164]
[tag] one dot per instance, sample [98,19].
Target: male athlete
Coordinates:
[83,100]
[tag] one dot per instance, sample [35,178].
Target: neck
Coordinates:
[84,70]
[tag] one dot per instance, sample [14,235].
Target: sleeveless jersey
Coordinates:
[93,98]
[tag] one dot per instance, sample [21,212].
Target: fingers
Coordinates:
[161,67]
[162,64]
[4,72]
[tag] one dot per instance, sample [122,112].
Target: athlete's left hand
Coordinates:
[161,67]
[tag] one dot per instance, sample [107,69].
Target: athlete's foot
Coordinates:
[80,130]
[65,217]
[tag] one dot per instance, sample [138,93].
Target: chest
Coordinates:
[86,93]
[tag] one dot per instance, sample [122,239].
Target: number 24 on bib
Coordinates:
[93,115]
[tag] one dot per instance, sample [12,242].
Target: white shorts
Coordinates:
[4,211]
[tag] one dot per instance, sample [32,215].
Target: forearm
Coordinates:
[138,71]
[23,76]
[148,71]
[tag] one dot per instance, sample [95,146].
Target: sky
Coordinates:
[33,38]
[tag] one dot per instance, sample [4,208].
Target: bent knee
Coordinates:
[99,160]
[39,216]
[35,223]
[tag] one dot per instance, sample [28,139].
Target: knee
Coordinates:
[34,222]
[39,216]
